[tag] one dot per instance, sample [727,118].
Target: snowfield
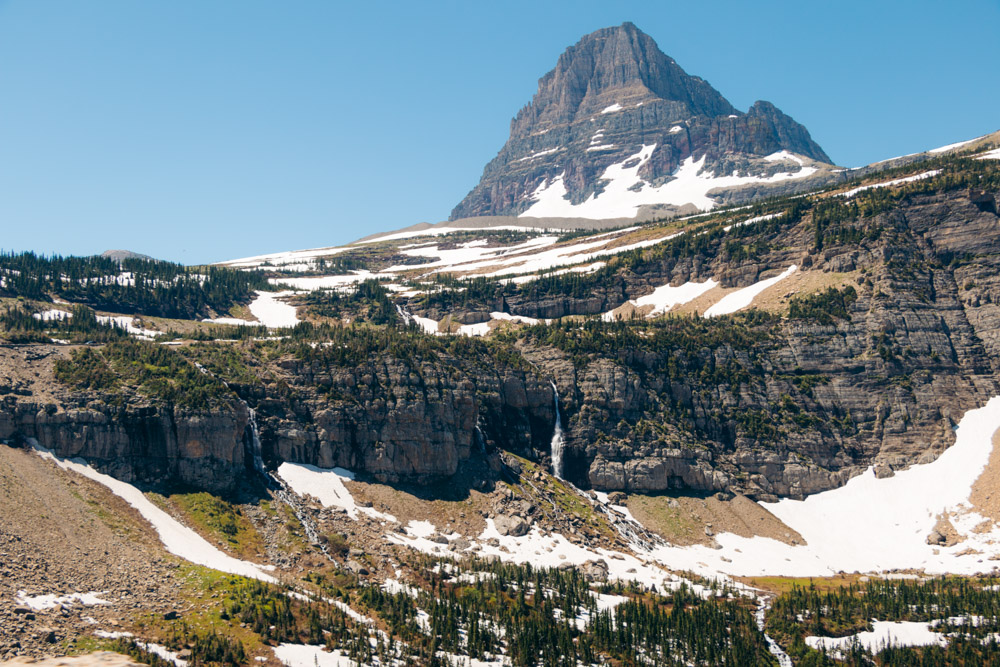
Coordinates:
[742,298]
[871,524]
[327,486]
[177,538]
[884,633]
[46,602]
[269,309]
[620,200]
[898,181]
[272,312]
[666,297]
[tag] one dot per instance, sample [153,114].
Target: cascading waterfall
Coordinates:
[772,646]
[278,485]
[480,439]
[273,482]
[557,438]
[255,448]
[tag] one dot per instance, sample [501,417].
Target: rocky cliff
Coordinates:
[611,94]
[868,355]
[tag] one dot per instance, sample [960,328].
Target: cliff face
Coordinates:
[150,444]
[608,96]
[876,370]
[395,420]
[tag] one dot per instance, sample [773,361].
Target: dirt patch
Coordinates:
[703,302]
[459,516]
[945,529]
[99,659]
[776,298]
[61,533]
[985,496]
[686,520]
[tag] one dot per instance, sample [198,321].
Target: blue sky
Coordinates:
[202,131]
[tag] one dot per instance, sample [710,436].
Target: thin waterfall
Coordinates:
[255,448]
[273,482]
[557,438]
[763,604]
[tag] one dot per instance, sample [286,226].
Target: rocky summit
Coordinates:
[615,107]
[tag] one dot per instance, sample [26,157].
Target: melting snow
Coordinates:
[272,312]
[781,156]
[327,486]
[990,155]
[896,633]
[541,550]
[44,602]
[949,147]
[295,260]
[908,179]
[666,297]
[438,231]
[539,154]
[742,298]
[50,315]
[759,218]
[871,524]
[177,538]
[304,655]
[620,200]
[611,109]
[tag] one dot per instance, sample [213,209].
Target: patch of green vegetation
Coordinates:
[19,324]
[843,610]
[368,301]
[154,370]
[133,285]
[221,520]
[824,307]
[667,519]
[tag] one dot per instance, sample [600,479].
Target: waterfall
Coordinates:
[255,448]
[772,646]
[273,482]
[557,438]
[480,439]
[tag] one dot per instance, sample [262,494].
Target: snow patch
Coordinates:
[742,298]
[52,315]
[304,655]
[666,297]
[898,181]
[611,109]
[872,524]
[327,486]
[272,312]
[45,602]
[782,156]
[884,633]
[625,192]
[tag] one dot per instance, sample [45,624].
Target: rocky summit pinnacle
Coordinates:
[610,128]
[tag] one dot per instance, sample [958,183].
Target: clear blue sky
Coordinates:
[201,131]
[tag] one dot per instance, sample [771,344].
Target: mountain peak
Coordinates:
[620,65]
[613,98]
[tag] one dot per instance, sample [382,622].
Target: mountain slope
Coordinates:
[615,98]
